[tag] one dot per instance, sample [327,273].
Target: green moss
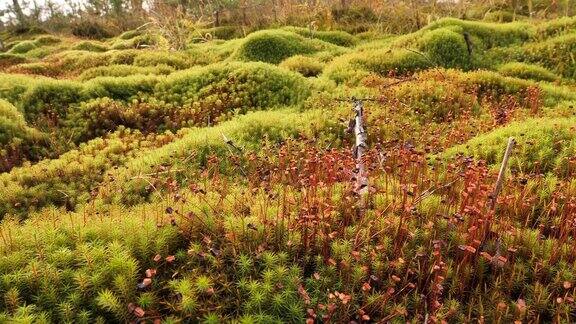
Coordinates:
[488,35]
[176,60]
[121,70]
[50,97]
[90,46]
[543,145]
[336,37]
[304,65]
[12,124]
[7,59]
[435,100]
[74,173]
[241,85]
[500,16]
[120,88]
[130,34]
[47,40]
[273,46]
[354,66]
[555,27]
[446,48]
[554,53]
[527,71]
[23,47]
[146,40]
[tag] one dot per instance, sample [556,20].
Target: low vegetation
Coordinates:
[191,172]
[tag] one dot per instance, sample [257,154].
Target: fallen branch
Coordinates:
[501,174]
[360,148]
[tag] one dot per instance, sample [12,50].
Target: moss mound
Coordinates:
[527,71]
[487,35]
[354,66]
[273,46]
[543,145]
[90,46]
[340,38]
[248,131]
[446,48]
[13,125]
[7,59]
[23,47]
[176,60]
[306,66]
[122,70]
[554,53]
[74,173]
[433,100]
[47,40]
[235,86]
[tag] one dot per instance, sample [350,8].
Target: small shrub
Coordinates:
[220,32]
[90,29]
[145,40]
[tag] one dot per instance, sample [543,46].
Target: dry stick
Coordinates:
[359,150]
[500,180]
[498,188]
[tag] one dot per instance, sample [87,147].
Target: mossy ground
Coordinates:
[213,183]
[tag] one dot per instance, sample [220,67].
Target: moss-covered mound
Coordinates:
[383,62]
[22,47]
[122,70]
[69,179]
[487,35]
[527,71]
[446,48]
[273,46]
[234,85]
[13,127]
[306,66]
[543,145]
[193,150]
[90,46]
[336,37]
[176,60]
